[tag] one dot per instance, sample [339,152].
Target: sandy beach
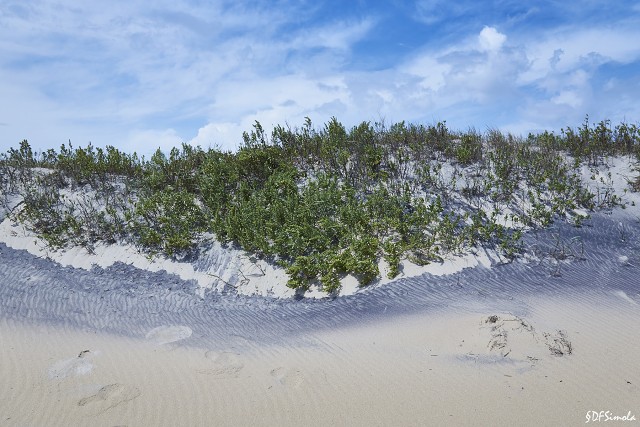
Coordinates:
[547,342]
[456,366]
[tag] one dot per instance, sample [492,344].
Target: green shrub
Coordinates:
[322,203]
[167,221]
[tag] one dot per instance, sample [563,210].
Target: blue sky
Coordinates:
[140,75]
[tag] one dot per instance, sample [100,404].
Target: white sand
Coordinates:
[258,277]
[455,367]
[253,277]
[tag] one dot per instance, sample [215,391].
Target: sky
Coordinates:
[142,75]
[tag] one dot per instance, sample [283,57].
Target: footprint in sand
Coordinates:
[222,364]
[109,396]
[79,365]
[558,343]
[288,377]
[508,338]
[503,331]
[168,334]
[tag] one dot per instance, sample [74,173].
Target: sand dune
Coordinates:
[540,342]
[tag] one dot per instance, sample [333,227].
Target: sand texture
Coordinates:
[538,343]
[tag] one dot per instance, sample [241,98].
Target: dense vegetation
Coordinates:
[323,203]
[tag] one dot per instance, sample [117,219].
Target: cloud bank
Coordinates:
[140,77]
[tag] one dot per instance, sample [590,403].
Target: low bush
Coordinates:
[321,203]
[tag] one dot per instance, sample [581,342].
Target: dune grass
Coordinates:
[322,203]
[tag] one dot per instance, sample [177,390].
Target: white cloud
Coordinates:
[568,97]
[271,101]
[590,47]
[431,72]
[219,135]
[145,142]
[475,71]
[431,80]
[339,35]
[434,11]
[176,62]
[86,72]
[455,82]
[490,39]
